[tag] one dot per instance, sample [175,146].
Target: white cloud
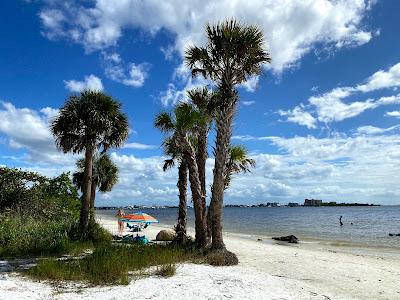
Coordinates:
[372,130]
[251,84]
[130,74]
[248,103]
[395,113]
[90,82]
[330,106]
[139,146]
[292,27]
[172,95]
[27,129]
[300,116]
[382,79]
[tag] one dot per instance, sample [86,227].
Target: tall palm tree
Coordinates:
[175,155]
[85,123]
[234,52]
[104,177]
[180,127]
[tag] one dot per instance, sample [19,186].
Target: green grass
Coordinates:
[28,236]
[168,270]
[111,264]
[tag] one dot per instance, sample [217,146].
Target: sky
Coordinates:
[321,121]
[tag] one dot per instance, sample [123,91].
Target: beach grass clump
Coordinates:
[111,264]
[222,258]
[168,270]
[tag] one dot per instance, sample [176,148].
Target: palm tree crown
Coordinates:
[233,53]
[239,162]
[104,175]
[92,118]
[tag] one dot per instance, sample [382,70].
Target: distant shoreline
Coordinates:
[329,204]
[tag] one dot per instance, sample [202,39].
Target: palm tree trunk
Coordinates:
[180,227]
[201,157]
[224,119]
[87,185]
[92,200]
[195,186]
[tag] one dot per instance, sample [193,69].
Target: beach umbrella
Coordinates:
[139,217]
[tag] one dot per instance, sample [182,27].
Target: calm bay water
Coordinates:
[371,225]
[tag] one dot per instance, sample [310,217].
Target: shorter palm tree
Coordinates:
[85,123]
[179,127]
[104,177]
[169,163]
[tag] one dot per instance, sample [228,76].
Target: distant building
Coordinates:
[292,204]
[312,202]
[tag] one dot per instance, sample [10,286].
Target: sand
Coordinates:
[266,271]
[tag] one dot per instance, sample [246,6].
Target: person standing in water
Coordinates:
[120,214]
[340,220]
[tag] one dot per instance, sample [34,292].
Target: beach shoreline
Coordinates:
[266,270]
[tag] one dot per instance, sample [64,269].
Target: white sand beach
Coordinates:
[265,271]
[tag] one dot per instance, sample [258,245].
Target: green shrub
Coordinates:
[22,236]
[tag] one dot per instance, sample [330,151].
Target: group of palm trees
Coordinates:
[234,52]
[93,121]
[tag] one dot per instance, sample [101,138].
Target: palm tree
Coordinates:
[238,162]
[104,177]
[85,123]
[234,52]
[203,101]
[180,127]
[175,155]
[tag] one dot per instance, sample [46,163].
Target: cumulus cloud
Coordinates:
[90,82]
[300,116]
[292,28]
[130,74]
[177,92]
[28,129]
[331,106]
[394,113]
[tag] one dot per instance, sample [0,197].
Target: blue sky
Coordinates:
[321,121]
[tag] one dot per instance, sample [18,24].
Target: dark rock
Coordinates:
[391,234]
[394,234]
[260,240]
[290,239]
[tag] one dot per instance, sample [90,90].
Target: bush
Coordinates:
[166,270]
[21,236]
[37,214]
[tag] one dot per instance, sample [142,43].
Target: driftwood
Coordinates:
[290,239]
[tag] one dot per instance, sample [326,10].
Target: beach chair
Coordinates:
[134,227]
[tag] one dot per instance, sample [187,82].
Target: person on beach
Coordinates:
[120,214]
[340,220]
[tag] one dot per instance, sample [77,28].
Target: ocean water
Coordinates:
[370,229]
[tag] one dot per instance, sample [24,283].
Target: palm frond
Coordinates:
[164,122]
